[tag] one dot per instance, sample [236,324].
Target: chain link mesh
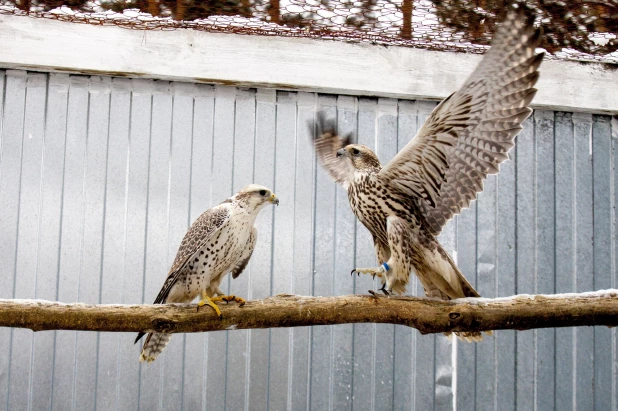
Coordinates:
[575,29]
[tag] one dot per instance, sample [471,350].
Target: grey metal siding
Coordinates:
[100,177]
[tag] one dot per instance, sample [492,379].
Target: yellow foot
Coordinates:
[207,301]
[228,298]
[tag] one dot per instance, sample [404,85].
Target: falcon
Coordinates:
[406,203]
[220,241]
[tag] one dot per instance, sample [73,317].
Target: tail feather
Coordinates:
[155,343]
[468,291]
[469,336]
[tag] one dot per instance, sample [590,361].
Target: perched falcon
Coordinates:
[406,203]
[221,240]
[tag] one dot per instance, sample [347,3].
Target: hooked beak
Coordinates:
[341,153]
[274,200]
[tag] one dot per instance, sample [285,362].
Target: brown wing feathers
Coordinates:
[470,133]
[326,142]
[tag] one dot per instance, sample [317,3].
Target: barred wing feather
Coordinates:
[470,133]
[326,143]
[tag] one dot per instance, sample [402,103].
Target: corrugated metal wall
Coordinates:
[100,178]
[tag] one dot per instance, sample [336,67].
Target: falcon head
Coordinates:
[359,158]
[255,197]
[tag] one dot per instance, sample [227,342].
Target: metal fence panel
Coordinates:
[100,178]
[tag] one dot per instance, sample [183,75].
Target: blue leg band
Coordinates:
[386,267]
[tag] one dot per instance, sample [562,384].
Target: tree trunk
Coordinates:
[426,315]
[179,13]
[406,8]
[153,7]
[24,5]
[274,11]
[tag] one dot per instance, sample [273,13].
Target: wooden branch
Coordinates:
[522,312]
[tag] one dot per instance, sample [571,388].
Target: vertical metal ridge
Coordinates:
[189,214]
[2,103]
[145,259]
[494,341]
[102,249]
[613,135]
[313,253]
[161,89]
[594,240]
[272,251]
[574,261]
[124,238]
[516,268]
[10,350]
[229,277]
[250,277]
[60,232]
[81,246]
[374,326]
[38,246]
[535,257]
[212,155]
[476,284]
[555,252]
[292,282]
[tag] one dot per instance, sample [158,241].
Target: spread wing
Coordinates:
[246,254]
[470,133]
[202,229]
[326,143]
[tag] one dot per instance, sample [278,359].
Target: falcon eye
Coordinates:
[262,192]
[355,151]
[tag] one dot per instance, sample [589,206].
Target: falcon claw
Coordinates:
[384,290]
[375,272]
[208,301]
[352,272]
[373,293]
[228,298]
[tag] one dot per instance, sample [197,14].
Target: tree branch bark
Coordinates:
[521,312]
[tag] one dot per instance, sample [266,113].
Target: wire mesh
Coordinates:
[576,29]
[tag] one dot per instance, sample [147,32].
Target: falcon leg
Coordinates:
[228,298]
[379,272]
[208,301]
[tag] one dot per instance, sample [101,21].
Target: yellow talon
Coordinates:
[228,298]
[208,301]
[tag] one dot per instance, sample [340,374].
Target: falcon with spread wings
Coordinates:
[221,240]
[406,203]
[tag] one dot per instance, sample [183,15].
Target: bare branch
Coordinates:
[521,312]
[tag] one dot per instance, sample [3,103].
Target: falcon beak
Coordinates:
[273,199]
[341,153]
